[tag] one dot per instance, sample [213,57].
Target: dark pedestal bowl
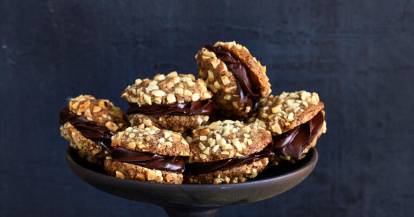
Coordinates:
[197,200]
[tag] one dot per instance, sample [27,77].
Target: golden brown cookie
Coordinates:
[88,122]
[227,139]
[227,152]
[148,154]
[296,120]
[293,145]
[288,110]
[172,122]
[174,101]
[237,174]
[235,77]
[135,172]
[152,140]
[86,148]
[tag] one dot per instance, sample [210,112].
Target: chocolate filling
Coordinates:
[89,129]
[207,167]
[149,160]
[194,108]
[102,136]
[249,92]
[294,142]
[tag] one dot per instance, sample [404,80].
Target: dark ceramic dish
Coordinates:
[197,200]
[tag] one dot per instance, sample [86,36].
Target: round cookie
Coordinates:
[227,139]
[88,124]
[177,102]
[237,174]
[148,154]
[236,78]
[135,172]
[296,120]
[151,140]
[177,123]
[227,152]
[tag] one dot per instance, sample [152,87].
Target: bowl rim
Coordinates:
[74,164]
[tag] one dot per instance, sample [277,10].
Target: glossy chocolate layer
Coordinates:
[208,167]
[89,129]
[249,92]
[205,107]
[294,142]
[149,160]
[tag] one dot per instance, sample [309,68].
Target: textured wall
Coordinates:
[359,55]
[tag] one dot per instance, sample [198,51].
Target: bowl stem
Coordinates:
[190,212]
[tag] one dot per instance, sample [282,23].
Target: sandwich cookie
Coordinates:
[227,152]
[148,154]
[88,124]
[296,121]
[236,78]
[176,102]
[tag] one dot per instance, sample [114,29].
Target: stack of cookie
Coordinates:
[223,127]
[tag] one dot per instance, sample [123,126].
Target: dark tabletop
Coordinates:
[358,55]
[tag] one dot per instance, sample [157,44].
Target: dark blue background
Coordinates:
[359,55]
